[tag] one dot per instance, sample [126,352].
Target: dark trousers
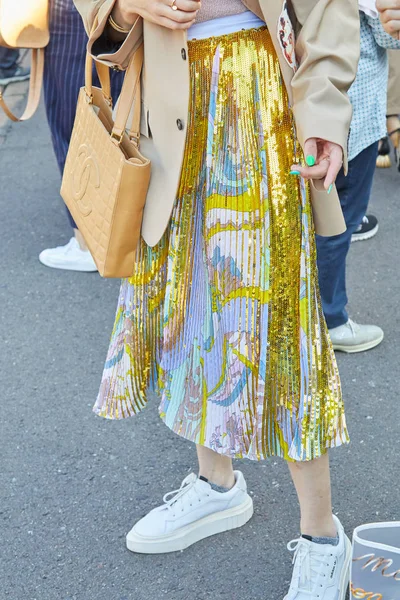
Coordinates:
[8,58]
[65,75]
[354,192]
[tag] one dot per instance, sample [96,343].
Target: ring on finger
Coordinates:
[173,5]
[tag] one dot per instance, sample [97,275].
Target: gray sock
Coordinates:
[333,541]
[215,487]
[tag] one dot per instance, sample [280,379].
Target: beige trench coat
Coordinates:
[327,51]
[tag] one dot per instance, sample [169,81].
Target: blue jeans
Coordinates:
[8,59]
[354,192]
[64,75]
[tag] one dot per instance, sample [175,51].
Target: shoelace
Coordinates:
[307,565]
[365,221]
[173,500]
[353,326]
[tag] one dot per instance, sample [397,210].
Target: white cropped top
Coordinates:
[224,25]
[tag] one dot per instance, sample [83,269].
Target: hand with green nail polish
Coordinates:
[310,160]
[323,160]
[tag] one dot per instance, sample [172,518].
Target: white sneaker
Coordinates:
[321,571]
[69,257]
[190,514]
[352,337]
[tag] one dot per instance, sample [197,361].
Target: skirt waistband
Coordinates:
[224,26]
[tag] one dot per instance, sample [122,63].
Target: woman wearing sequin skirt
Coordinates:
[222,318]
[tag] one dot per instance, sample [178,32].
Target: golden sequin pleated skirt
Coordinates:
[222,319]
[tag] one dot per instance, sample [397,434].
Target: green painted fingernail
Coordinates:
[294,172]
[310,160]
[330,188]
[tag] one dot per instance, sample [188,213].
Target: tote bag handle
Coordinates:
[35,88]
[130,93]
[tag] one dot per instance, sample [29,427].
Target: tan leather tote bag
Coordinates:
[106,179]
[25,24]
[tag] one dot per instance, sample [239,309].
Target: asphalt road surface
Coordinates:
[72,484]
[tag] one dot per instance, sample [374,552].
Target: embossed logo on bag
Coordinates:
[84,171]
[286,37]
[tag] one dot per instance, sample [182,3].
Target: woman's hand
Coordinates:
[390,16]
[324,160]
[158,11]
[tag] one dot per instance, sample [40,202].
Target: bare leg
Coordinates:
[216,468]
[80,240]
[393,123]
[313,486]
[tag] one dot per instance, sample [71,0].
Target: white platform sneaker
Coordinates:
[69,257]
[352,337]
[321,571]
[190,514]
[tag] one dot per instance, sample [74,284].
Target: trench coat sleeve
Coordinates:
[328,50]
[114,55]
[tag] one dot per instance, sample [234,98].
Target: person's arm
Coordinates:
[390,16]
[328,50]
[106,44]
[123,19]
[115,48]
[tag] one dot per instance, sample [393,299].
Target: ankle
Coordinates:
[80,240]
[392,124]
[393,118]
[319,529]
[220,479]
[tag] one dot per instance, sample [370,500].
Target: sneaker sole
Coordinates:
[359,347]
[361,237]
[220,522]
[80,268]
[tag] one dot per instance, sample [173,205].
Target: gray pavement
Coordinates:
[72,485]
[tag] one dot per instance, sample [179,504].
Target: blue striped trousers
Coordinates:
[65,75]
